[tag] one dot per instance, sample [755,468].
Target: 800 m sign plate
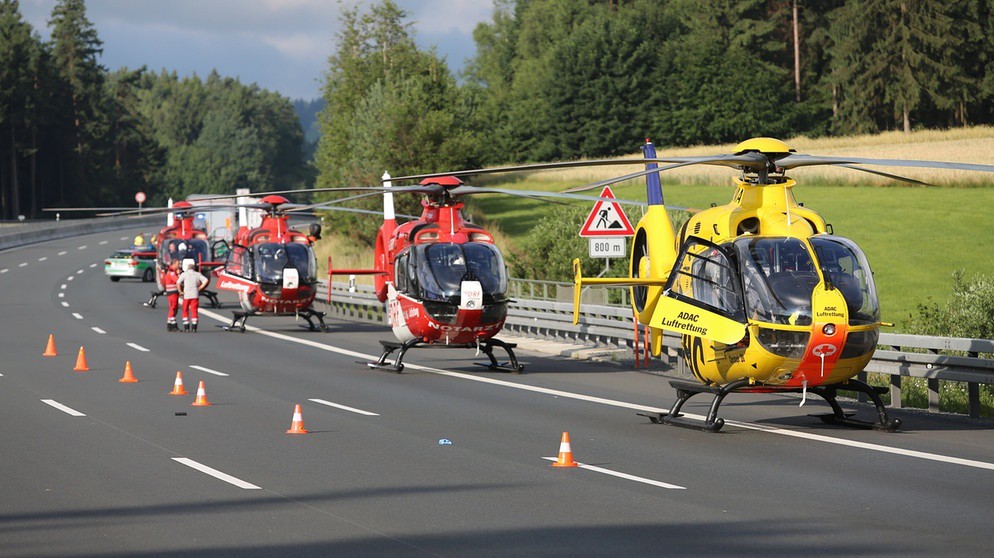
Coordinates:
[608,247]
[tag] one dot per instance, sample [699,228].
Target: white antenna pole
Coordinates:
[388,213]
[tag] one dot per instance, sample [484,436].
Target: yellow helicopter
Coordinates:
[765,296]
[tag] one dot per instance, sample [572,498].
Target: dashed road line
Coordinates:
[24,264]
[83,247]
[208,370]
[62,295]
[77,316]
[625,476]
[102,242]
[344,407]
[93,265]
[62,253]
[62,408]
[98,330]
[215,473]
[65,304]
[43,258]
[137,347]
[63,286]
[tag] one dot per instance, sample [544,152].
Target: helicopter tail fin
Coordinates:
[653,187]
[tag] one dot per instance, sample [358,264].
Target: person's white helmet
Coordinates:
[188,264]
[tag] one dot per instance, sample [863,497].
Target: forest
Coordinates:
[550,80]
[73,134]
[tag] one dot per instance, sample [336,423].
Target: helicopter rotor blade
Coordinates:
[795,160]
[885,174]
[752,160]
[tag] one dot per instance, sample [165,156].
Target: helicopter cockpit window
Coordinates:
[272,258]
[195,249]
[778,278]
[443,267]
[846,268]
[705,276]
[240,262]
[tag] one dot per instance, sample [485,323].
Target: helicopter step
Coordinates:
[211,296]
[240,317]
[712,423]
[487,347]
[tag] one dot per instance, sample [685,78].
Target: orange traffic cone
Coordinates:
[201,397]
[178,388]
[297,424]
[129,375]
[50,348]
[565,453]
[81,362]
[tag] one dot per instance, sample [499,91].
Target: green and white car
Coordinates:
[130,263]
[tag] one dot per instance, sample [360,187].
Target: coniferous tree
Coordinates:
[75,49]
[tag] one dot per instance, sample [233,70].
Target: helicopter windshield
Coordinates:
[443,267]
[271,259]
[177,248]
[779,276]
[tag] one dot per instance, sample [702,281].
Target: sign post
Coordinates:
[140,198]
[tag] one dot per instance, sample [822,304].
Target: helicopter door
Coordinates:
[703,296]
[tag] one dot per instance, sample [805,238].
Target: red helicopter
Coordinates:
[182,240]
[272,267]
[443,278]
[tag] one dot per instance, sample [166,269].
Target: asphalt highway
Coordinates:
[446,459]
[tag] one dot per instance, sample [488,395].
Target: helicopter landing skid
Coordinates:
[486,346]
[239,318]
[154,299]
[686,390]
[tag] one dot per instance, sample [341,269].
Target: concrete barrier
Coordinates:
[18,234]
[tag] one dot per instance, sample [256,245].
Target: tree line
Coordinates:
[563,79]
[73,133]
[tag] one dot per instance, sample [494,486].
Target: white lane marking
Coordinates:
[83,247]
[65,304]
[98,330]
[80,271]
[62,295]
[62,407]
[63,286]
[25,264]
[93,265]
[137,347]
[344,407]
[4,270]
[102,242]
[600,400]
[215,473]
[43,258]
[63,253]
[208,370]
[70,278]
[77,316]
[625,476]
[124,238]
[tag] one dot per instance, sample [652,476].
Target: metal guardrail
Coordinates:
[914,356]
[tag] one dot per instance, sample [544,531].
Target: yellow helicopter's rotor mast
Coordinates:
[766,194]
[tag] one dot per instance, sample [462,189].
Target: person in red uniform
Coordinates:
[190,283]
[169,284]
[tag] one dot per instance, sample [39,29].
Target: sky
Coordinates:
[281,45]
